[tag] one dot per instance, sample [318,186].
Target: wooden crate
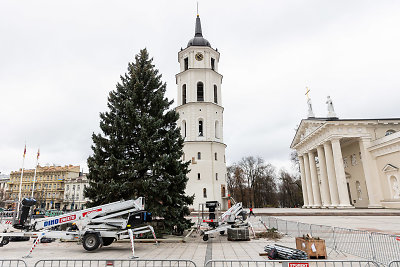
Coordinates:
[315,248]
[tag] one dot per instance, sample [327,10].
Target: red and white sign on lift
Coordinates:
[298,264]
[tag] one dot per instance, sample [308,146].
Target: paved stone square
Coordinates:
[194,249]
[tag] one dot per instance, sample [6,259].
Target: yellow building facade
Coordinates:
[49,185]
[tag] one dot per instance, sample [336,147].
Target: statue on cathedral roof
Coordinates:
[331,110]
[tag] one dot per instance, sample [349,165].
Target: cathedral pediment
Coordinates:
[390,168]
[306,128]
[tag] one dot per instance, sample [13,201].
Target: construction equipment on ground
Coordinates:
[93,227]
[235,216]
[285,253]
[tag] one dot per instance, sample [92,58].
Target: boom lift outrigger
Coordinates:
[96,227]
[235,216]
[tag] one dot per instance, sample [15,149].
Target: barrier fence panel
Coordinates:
[354,242]
[292,228]
[395,263]
[385,246]
[288,263]
[324,232]
[378,247]
[12,263]
[115,263]
[304,228]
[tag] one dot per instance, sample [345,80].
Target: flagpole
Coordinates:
[20,183]
[34,176]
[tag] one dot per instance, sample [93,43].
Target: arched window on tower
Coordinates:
[215,156]
[201,132]
[184,94]
[184,128]
[204,192]
[200,91]
[216,129]
[198,155]
[215,94]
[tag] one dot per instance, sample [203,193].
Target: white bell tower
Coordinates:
[201,120]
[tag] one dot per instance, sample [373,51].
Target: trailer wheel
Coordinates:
[205,237]
[222,232]
[91,242]
[5,241]
[107,241]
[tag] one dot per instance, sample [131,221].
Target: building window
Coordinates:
[389,132]
[215,156]
[223,191]
[200,91]
[204,192]
[184,94]
[184,128]
[216,177]
[198,155]
[216,130]
[215,94]
[198,176]
[186,63]
[212,63]
[201,133]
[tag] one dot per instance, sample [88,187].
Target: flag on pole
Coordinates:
[25,151]
[38,153]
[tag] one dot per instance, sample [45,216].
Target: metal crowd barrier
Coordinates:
[12,263]
[378,247]
[115,263]
[288,263]
[395,263]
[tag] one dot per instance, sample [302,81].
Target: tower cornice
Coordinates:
[199,104]
[196,69]
[210,49]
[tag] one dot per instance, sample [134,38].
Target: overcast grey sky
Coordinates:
[59,60]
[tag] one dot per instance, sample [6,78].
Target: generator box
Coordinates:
[238,234]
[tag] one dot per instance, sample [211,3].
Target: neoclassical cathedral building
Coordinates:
[200,109]
[347,163]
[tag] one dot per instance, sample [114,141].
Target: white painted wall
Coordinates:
[211,114]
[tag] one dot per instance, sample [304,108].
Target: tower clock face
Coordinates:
[199,56]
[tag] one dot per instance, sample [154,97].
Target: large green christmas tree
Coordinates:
[139,152]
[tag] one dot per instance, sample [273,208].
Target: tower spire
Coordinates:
[198,32]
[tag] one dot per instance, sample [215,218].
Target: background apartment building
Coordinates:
[49,186]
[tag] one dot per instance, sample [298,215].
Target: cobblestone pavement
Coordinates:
[194,249]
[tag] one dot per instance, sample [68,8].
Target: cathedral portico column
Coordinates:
[314,180]
[330,169]
[325,195]
[371,175]
[303,182]
[308,181]
[344,201]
